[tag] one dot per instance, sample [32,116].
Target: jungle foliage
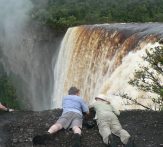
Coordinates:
[8,96]
[149,77]
[61,14]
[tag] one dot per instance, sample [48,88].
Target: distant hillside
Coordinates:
[62,14]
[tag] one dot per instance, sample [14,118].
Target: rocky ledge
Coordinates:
[18,128]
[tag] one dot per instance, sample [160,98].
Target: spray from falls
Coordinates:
[101,59]
[26,52]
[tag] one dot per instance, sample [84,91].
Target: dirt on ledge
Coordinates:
[18,128]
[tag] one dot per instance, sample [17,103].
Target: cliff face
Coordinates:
[18,128]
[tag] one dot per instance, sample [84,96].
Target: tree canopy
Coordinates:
[62,14]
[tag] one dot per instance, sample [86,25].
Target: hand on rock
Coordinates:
[9,110]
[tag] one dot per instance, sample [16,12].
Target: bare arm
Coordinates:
[2,107]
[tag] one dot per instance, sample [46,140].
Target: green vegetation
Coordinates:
[8,95]
[149,78]
[61,14]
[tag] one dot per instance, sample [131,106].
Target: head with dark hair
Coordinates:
[73,91]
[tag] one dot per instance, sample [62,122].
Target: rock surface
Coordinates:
[18,128]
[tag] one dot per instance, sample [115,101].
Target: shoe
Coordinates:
[38,140]
[47,136]
[130,143]
[76,140]
[111,141]
[41,139]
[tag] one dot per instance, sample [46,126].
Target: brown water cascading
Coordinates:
[91,57]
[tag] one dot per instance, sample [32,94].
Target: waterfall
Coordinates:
[101,59]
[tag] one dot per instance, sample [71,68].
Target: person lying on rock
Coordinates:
[4,108]
[73,105]
[108,123]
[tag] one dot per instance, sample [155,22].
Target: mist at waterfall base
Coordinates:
[26,52]
[102,59]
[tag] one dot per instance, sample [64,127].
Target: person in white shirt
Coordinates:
[108,123]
